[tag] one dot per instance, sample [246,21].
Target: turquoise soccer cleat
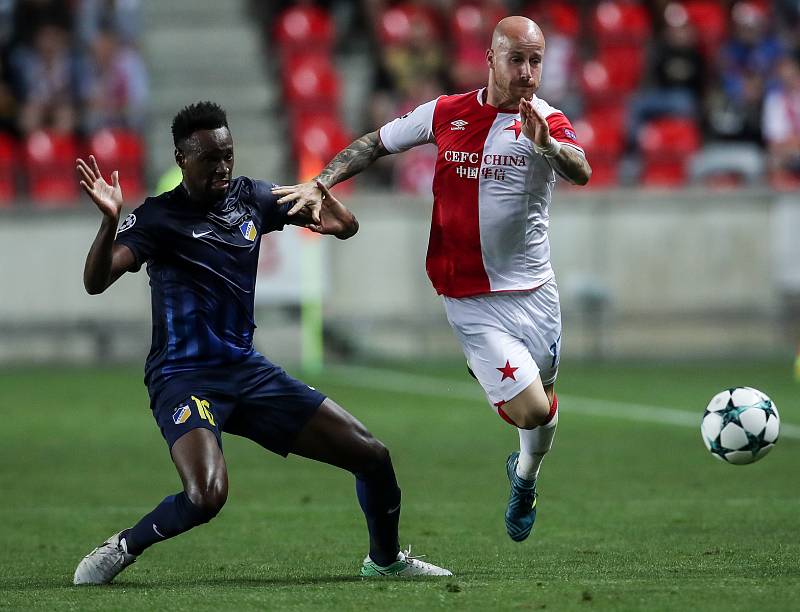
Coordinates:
[521,510]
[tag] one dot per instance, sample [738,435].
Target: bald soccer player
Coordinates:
[500,148]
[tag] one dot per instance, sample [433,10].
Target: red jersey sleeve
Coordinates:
[561,129]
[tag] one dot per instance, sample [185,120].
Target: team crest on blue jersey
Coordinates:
[182,414]
[248,230]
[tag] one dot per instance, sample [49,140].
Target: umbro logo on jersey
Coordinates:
[458,124]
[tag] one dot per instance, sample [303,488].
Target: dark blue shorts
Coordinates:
[255,399]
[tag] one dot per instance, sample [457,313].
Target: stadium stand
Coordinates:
[49,161]
[610,67]
[8,153]
[630,73]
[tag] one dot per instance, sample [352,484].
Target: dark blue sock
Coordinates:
[171,517]
[379,497]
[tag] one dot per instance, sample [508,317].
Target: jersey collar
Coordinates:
[482,95]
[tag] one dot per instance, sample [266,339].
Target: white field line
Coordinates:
[380,379]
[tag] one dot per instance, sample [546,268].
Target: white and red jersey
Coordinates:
[491,192]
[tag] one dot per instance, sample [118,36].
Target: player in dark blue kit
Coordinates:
[200,242]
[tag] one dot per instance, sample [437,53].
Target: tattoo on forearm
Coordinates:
[353,159]
[572,165]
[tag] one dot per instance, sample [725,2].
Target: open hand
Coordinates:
[335,218]
[107,198]
[534,126]
[306,196]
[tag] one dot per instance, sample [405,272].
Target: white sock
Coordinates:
[533,445]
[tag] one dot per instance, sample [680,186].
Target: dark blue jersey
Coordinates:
[202,265]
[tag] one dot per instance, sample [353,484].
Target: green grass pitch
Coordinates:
[634,514]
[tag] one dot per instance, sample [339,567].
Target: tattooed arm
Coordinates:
[567,161]
[570,164]
[351,160]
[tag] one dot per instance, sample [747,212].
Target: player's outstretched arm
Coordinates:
[351,160]
[105,262]
[335,218]
[569,162]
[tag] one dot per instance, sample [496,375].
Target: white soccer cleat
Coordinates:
[405,566]
[102,564]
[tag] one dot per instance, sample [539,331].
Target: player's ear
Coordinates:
[180,158]
[490,58]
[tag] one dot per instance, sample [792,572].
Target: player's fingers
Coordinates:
[325,191]
[115,179]
[82,165]
[86,188]
[296,208]
[535,114]
[291,197]
[315,214]
[84,175]
[95,167]
[283,190]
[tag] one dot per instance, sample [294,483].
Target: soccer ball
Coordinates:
[740,425]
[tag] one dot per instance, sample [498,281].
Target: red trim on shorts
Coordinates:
[502,413]
[553,410]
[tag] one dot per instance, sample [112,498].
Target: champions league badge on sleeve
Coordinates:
[248,229]
[127,223]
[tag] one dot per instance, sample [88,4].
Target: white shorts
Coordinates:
[509,338]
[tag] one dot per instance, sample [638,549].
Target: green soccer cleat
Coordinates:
[406,566]
[521,510]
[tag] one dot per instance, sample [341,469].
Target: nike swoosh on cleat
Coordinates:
[199,234]
[158,533]
[393,510]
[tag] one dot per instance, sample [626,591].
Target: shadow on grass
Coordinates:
[27,584]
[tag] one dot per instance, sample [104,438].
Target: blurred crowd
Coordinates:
[70,66]
[663,93]
[70,73]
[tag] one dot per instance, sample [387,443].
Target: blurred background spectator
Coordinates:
[48,77]
[71,79]
[117,84]
[782,124]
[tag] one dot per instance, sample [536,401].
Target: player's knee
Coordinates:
[535,418]
[208,498]
[375,457]
[530,417]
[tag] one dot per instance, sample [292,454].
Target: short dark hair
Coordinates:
[197,116]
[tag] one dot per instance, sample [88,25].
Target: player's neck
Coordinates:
[494,98]
[196,200]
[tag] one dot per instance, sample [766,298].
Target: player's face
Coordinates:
[516,68]
[206,159]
